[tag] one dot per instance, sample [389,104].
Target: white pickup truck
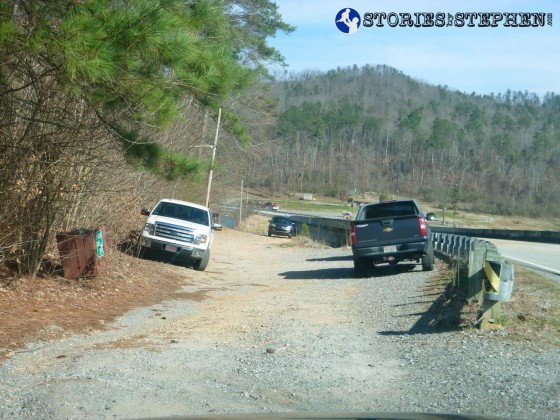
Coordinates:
[179,230]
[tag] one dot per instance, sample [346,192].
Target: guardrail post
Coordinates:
[452,246]
[463,248]
[491,311]
[477,256]
[460,259]
[456,246]
[496,287]
[437,243]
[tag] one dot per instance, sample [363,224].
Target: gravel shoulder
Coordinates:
[275,328]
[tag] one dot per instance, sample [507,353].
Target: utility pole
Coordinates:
[213,158]
[241,202]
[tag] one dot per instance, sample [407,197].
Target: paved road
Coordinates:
[538,255]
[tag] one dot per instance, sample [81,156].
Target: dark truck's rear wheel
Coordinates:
[428,259]
[361,266]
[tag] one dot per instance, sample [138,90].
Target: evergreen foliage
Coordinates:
[151,156]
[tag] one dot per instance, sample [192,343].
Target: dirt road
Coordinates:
[270,327]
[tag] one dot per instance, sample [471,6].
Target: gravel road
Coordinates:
[274,328]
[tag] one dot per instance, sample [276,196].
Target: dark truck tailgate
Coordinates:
[387,231]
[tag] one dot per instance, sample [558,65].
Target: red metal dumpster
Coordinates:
[83,252]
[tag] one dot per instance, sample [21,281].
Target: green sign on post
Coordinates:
[99,243]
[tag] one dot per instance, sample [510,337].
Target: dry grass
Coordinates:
[258,225]
[304,242]
[255,223]
[533,313]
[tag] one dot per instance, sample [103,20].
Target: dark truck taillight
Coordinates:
[423,227]
[353,235]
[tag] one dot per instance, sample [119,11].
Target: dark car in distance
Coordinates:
[281,226]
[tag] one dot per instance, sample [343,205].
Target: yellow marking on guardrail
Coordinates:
[491,279]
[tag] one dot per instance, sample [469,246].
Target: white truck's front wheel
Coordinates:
[200,265]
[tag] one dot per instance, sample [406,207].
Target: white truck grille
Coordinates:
[178,233]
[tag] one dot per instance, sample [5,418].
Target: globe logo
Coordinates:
[348,20]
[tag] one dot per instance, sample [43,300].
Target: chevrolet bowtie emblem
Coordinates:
[388,229]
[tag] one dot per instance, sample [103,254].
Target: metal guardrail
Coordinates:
[334,232]
[458,247]
[546,236]
[490,277]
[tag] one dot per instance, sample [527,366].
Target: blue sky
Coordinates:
[481,60]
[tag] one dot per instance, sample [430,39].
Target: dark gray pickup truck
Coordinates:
[389,232]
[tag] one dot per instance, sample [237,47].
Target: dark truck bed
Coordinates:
[389,232]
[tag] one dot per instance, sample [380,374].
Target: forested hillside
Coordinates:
[375,129]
